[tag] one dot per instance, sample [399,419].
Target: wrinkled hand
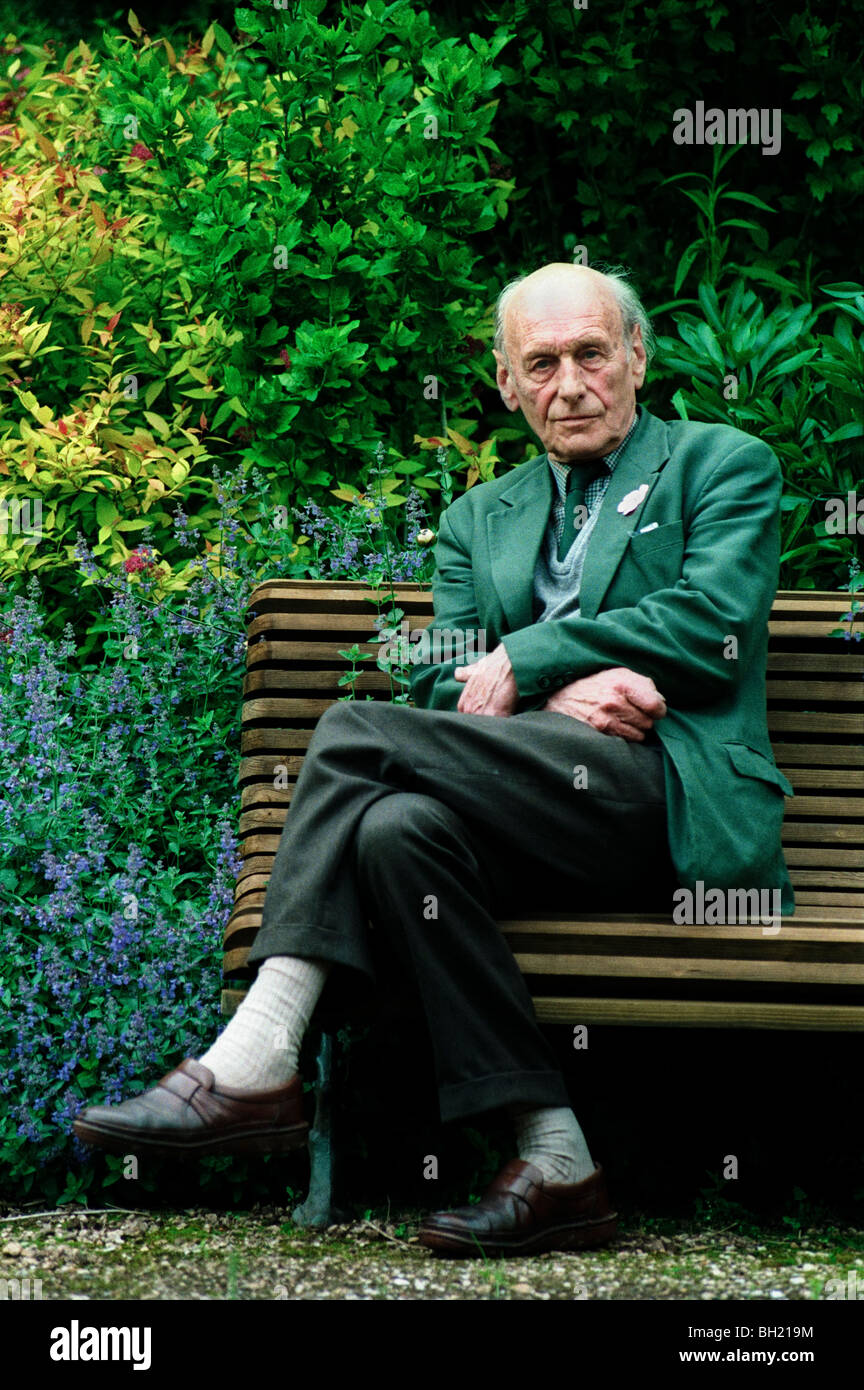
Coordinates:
[617,701]
[490,686]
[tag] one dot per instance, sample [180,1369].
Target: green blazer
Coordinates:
[685,603]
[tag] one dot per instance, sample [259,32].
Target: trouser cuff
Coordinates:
[484,1093]
[311,941]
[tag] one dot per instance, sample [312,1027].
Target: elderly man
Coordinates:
[622,582]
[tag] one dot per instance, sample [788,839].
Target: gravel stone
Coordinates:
[260,1255]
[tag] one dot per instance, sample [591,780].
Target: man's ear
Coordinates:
[638,358]
[504,381]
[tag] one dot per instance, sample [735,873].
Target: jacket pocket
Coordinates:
[751,763]
[658,556]
[646,542]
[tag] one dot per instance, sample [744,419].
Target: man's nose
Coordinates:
[571,383]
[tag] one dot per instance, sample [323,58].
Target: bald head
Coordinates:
[571,355]
[561,277]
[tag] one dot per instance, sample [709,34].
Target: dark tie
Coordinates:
[579,478]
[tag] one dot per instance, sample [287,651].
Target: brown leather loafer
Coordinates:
[186,1113]
[521,1213]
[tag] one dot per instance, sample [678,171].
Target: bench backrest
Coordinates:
[815,715]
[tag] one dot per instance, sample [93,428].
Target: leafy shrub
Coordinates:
[773,373]
[585,121]
[245,249]
[239,264]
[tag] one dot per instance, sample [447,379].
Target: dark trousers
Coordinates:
[432,824]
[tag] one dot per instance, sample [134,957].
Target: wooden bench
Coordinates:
[603,968]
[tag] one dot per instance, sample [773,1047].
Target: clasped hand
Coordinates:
[617,701]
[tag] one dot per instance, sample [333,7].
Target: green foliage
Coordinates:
[772,373]
[295,279]
[279,246]
[320,183]
[587,111]
[776,373]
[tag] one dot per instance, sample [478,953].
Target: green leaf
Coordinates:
[819,150]
[853,430]
[680,405]
[684,265]
[106,512]
[751,199]
[224,40]
[738,222]
[790,365]
[248,21]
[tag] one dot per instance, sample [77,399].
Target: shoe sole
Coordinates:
[553,1238]
[234,1144]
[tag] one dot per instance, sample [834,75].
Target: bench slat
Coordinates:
[794,832]
[820,662]
[826,878]
[794,929]
[807,898]
[835,806]
[818,854]
[818,754]
[825,777]
[812,722]
[811,628]
[691,968]
[687,1013]
[846,692]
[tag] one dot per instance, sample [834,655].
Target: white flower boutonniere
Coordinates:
[629,503]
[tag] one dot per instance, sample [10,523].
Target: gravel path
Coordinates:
[199,1254]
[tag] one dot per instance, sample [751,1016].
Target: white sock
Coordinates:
[258,1049]
[551,1139]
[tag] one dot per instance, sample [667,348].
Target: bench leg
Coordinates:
[317,1210]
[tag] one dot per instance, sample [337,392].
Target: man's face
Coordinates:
[567,369]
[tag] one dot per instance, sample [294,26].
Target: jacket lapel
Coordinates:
[638,467]
[517,524]
[515,529]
